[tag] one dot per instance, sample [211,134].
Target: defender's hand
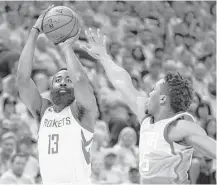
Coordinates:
[97,44]
[38,23]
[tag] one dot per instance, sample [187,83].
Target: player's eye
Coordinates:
[69,80]
[58,80]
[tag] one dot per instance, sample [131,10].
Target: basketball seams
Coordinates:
[58,15]
[70,31]
[62,32]
[60,26]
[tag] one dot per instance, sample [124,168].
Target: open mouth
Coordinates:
[63,90]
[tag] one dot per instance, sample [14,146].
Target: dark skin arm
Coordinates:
[193,135]
[85,104]
[28,92]
[118,76]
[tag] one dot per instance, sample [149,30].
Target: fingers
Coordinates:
[88,35]
[96,37]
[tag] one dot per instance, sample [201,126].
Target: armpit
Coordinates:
[81,111]
[38,114]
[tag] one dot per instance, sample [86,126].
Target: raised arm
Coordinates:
[84,95]
[27,88]
[118,76]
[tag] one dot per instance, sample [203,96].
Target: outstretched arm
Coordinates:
[118,76]
[203,143]
[27,88]
[84,94]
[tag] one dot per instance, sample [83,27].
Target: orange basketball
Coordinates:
[60,23]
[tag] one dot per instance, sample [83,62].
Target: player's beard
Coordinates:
[64,99]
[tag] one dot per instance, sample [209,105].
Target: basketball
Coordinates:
[60,23]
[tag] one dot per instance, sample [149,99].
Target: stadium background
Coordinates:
[147,39]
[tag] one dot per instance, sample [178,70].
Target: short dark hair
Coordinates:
[62,69]
[179,90]
[133,170]
[18,155]
[179,34]
[202,105]
[158,49]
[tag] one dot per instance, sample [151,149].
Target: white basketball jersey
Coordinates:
[162,161]
[64,148]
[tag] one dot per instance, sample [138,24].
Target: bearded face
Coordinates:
[62,92]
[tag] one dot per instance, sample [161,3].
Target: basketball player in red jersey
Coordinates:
[168,133]
[67,121]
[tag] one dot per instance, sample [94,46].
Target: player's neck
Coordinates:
[164,114]
[58,108]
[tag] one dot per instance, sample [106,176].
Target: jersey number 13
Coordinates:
[53,144]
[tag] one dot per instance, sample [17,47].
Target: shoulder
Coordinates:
[190,127]
[180,129]
[45,104]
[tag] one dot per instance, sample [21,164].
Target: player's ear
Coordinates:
[163,99]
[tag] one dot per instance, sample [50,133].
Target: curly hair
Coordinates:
[179,90]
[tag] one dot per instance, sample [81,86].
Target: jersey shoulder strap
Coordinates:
[182,115]
[46,105]
[145,117]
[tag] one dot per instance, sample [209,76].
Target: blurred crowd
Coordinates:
[148,39]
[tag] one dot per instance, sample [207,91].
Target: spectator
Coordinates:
[8,147]
[100,141]
[97,166]
[203,113]
[114,50]
[159,54]
[210,128]
[116,125]
[196,101]
[15,174]
[32,167]
[199,82]
[137,54]
[134,177]
[127,151]
[111,174]
[9,108]
[151,78]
